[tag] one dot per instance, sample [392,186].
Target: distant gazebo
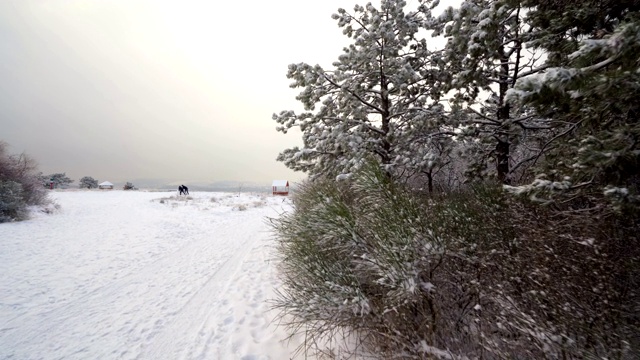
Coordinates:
[105,185]
[280,187]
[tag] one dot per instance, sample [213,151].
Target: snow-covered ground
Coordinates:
[140,275]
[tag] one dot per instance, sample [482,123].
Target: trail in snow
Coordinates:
[122,275]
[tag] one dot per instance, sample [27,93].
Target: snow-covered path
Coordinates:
[122,275]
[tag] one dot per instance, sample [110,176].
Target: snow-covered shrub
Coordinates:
[472,274]
[20,185]
[12,204]
[358,258]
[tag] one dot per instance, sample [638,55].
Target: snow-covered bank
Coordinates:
[139,275]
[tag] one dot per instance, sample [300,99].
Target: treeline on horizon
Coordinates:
[22,185]
[477,201]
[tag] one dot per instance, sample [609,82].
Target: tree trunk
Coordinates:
[502,147]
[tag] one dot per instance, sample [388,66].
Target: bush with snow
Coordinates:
[12,205]
[470,274]
[20,185]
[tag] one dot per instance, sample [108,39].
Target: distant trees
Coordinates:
[129,186]
[87,182]
[20,185]
[60,180]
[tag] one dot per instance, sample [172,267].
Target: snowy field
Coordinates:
[140,275]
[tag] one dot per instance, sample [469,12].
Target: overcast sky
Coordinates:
[181,90]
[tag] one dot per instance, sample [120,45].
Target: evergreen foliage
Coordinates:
[559,26]
[485,55]
[87,182]
[376,102]
[542,99]
[594,94]
[60,180]
[12,204]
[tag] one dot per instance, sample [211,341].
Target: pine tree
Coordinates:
[87,182]
[375,103]
[592,89]
[484,57]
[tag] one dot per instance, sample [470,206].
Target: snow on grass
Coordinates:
[142,275]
